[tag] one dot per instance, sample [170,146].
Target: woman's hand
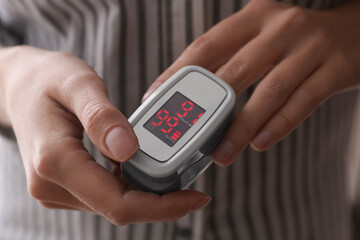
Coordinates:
[48,99]
[304,56]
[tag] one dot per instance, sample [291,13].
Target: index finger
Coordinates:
[214,48]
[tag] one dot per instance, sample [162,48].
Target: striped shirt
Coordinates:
[296,190]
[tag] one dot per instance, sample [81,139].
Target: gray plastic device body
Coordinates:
[159,168]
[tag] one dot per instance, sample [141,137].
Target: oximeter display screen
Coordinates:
[174,119]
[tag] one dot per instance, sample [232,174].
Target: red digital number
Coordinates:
[195,120]
[162,115]
[171,122]
[187,107]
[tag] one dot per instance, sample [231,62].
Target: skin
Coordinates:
[305,57]
[64,96]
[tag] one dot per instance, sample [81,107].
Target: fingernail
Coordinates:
[224,153]
[121,143]
[152,89]
[261,140]
[201,204]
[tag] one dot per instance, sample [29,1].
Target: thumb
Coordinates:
[105,125]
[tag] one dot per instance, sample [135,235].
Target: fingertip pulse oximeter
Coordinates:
[178,127]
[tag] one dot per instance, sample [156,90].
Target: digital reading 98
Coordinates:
[178,126]
[174,119]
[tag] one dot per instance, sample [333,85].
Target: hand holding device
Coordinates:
[49,99]
[178,127]
[301,56]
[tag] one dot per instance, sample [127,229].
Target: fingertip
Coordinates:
[147,95]
[261,141]
[151,89]
[223,154]
[192,200]
[222,164]
[256,148]
[202,203]
[121,143]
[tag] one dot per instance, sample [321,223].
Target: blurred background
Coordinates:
[354,172]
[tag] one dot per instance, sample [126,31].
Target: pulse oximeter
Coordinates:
[178,127]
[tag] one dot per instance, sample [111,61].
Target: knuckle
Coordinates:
[118,217]
[236,70]
[93,114]
[37,190]
[274,87]
[285,121]
[323,44]
[202,44]
[341,61]
[294,17]
[343,67]
[65,58]
[308,97]
[44,163]
[77,81]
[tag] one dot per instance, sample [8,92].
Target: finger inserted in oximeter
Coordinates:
[178,126]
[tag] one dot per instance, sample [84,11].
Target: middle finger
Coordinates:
[272,93]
